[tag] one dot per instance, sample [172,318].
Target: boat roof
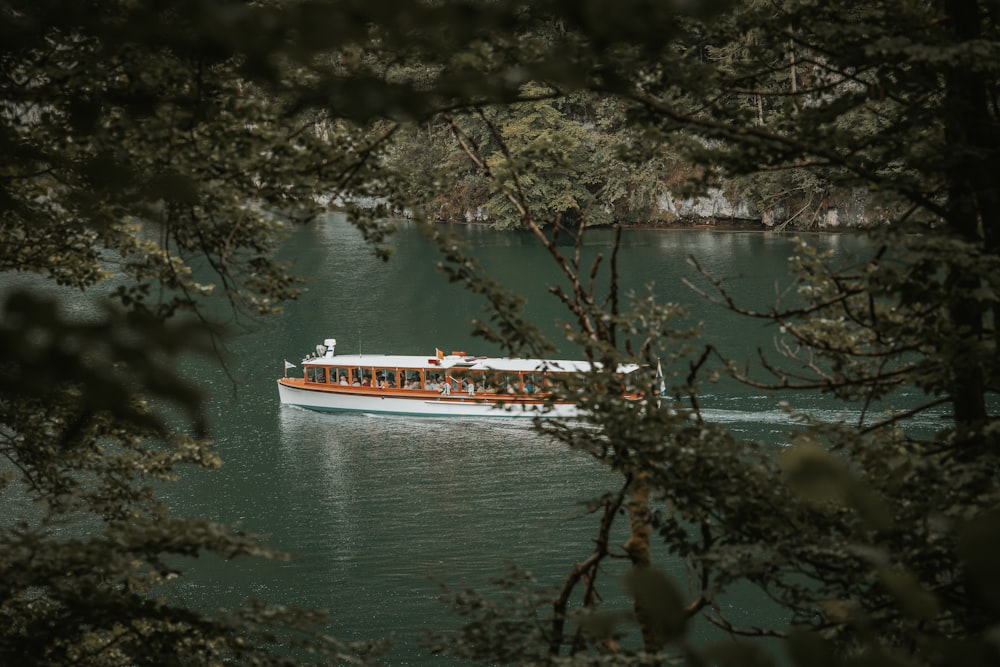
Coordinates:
[459,362]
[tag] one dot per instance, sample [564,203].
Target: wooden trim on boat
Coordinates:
[441,385]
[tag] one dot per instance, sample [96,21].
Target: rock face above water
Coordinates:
[715,210]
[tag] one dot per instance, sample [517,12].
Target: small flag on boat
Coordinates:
[439,353]
[288,364]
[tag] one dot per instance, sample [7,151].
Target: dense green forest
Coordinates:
[579,155]
[565,151]
[581,152]
[143,138]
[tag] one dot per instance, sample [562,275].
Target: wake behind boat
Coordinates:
[445,385]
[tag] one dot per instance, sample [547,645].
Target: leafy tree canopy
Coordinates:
[152,152]
[142,166]
[863,532]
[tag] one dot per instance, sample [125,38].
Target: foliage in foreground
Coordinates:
[869,534]
[140,173]
[197,120]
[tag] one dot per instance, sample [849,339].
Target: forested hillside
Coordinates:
[582,154]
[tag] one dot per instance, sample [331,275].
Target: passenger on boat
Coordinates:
[367,382]
[445,388]
[343,379]
[357,382]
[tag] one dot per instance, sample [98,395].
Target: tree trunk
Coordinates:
[972,210]
[638,549]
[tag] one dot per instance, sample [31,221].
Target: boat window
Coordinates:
[491,382]
[532,383]
[315,374]
[633,382]
[479,377]
[385,378]
[463,382]
[341,374]
[412,380]
[508,383]
[434,381]
[500,382]
[361,377]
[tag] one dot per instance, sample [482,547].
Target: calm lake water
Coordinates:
[377,510]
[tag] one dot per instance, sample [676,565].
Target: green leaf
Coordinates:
[978,544]
[658,602]
[809,649]
[915,601]
[738,653]
[817,476]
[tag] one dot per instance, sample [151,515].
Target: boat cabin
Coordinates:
[456,373]
[445,384]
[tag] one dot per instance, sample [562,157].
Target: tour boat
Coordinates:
[442,385]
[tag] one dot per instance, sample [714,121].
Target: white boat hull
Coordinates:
[327,400]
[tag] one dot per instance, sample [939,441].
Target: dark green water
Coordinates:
[376,509]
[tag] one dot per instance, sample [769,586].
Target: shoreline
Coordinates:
[680,224]
[725,225]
